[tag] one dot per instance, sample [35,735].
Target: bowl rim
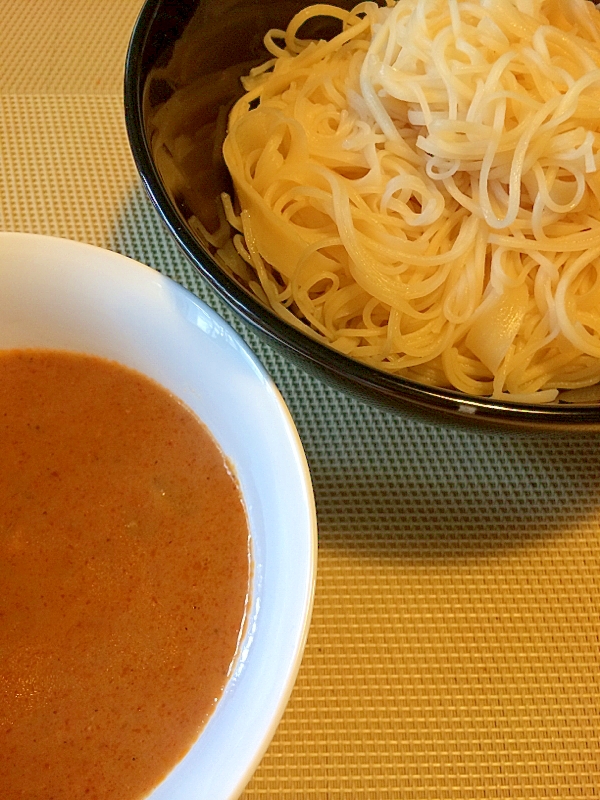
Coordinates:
[446,404]
[58,262]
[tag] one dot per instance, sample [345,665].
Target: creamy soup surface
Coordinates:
[124,575]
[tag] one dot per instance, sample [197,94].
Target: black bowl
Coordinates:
[202,47]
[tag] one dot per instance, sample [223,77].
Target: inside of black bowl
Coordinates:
[183,70]
[201,50]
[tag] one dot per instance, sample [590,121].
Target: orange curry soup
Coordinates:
[124,576]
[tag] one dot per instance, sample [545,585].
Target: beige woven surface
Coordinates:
[455,645]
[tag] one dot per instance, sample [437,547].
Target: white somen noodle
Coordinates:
[422,190]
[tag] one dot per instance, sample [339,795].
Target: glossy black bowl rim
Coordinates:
[387,390]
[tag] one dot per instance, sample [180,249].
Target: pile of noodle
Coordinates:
[422,190]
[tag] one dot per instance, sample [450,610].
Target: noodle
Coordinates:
[422,191]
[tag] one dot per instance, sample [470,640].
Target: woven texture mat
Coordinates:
[454,650]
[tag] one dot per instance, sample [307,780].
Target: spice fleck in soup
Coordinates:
[124,578]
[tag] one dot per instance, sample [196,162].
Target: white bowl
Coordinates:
[62,294]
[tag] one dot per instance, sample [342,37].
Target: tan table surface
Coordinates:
[454,650]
